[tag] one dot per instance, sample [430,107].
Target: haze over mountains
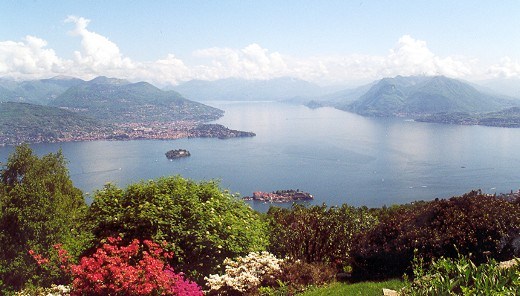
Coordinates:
[35,91]
[233,89]
[103,101]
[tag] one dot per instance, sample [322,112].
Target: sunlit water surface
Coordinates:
[337,156]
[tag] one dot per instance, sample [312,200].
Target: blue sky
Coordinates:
[327,42]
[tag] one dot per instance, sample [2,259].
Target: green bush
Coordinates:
[480,225]
[316,233]
[462,277]
[39,208]
[201,224]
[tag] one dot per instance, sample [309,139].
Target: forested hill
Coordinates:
[33,123]
[419,95]
[115,100]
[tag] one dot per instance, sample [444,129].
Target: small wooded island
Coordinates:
[179,153]
[280,196]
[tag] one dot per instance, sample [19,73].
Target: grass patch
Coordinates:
[364,288]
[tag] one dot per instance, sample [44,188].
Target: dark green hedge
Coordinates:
[475,224]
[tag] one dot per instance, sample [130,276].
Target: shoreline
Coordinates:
[136,131]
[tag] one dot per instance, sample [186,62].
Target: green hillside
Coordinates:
[420,95]
[22,122]
[118,101]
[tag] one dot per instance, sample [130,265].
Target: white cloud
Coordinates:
[29,58]
[251,62]
[412,57]
[98,52]
[408,57]
[98,55]
[506,68]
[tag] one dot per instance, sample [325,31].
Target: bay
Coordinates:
[337,156]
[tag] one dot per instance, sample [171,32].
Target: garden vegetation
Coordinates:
[174,236]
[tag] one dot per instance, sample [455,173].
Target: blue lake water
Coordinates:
[337,156]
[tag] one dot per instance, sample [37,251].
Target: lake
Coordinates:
[337,156]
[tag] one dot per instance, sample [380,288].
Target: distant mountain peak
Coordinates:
[62,77]
[416,95]
[107,80]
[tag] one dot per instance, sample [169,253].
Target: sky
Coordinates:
[325,42]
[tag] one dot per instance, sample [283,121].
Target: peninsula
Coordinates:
[280,196]
[217,131]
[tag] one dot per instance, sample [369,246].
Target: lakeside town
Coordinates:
[126,131]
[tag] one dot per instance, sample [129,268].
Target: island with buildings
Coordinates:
[179,153]
[280,196]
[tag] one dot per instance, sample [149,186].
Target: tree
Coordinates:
[202,224]
[40,207]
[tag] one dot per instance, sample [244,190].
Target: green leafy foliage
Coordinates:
[39,208]
[316,233]
[462,277]
[480,225]
[202,224]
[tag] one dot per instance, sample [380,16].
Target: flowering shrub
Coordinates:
[202,224]
[245,274]
[135,269]
[39,207]
[54,290]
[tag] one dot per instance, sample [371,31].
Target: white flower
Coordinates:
[245,273]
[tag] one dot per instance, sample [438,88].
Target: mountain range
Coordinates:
[99,104]
[234,89]
[117,101]
[107,99]
[70,109]
[39,92]
[398,96]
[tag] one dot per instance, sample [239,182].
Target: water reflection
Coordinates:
[337,156]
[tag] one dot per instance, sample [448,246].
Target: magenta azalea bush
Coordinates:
[138,268]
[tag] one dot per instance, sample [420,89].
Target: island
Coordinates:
[280,196]
[179,153]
